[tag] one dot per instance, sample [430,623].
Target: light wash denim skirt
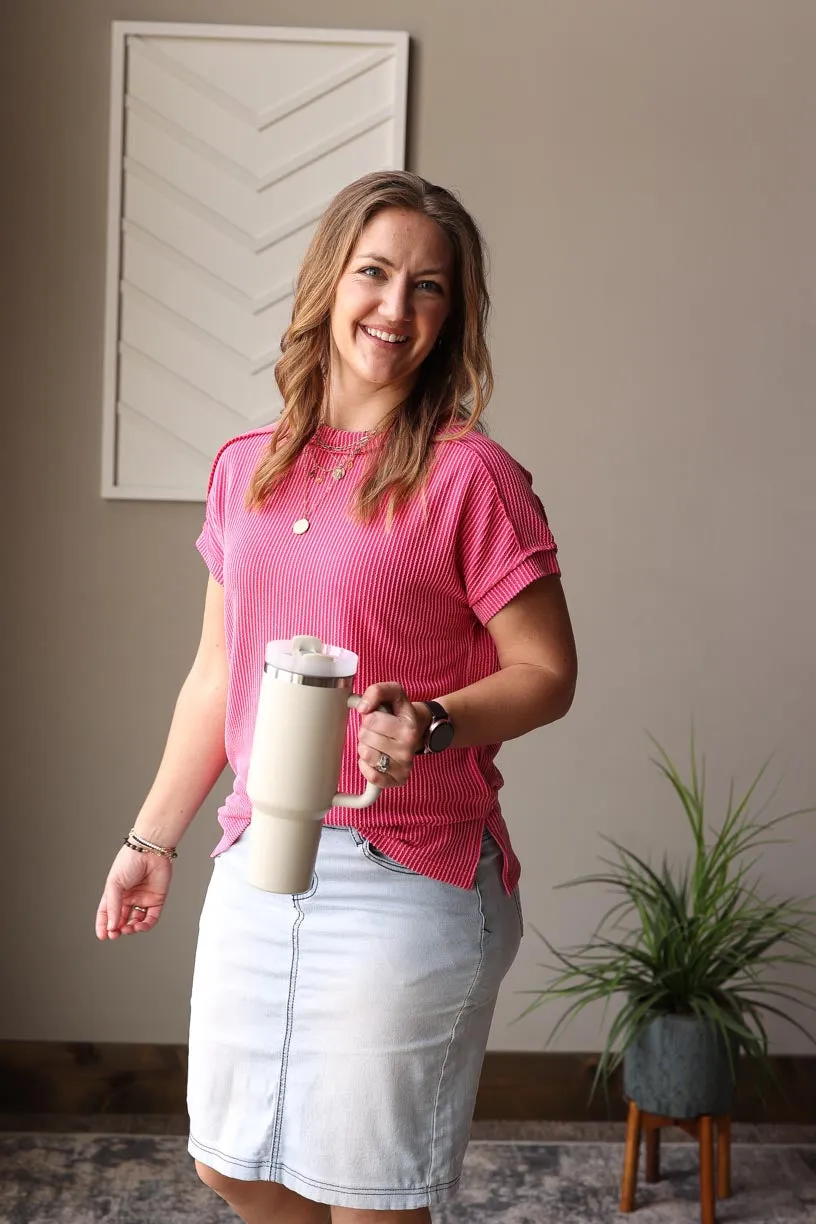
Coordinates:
[337,1036]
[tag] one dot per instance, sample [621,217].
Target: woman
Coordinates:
[337,1035]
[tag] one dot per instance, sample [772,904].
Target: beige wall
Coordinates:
[645,177]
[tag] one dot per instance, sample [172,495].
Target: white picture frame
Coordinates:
[226,142]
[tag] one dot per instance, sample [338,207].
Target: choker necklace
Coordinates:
[316,475]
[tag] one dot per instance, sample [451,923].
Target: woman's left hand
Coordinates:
[397,736]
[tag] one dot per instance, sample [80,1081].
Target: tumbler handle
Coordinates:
[372,791]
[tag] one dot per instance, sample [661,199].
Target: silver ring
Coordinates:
[384,764]
[140,908]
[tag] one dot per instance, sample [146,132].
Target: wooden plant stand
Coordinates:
[702,1129]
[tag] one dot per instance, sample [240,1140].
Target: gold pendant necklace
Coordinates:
[316,474]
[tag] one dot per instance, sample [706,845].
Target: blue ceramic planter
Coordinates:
[679,1067]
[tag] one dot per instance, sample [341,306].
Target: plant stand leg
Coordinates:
[652,1137]
[706,1137]
[630,1160]
[724,1157]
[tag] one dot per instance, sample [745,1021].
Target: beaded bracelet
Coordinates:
[134,842]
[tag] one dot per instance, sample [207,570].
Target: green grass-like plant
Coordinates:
[696,940]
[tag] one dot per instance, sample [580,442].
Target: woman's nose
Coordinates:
[396,300]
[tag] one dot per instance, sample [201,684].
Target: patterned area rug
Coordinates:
[144,1179]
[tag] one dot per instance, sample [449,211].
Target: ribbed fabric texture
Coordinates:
[412,602]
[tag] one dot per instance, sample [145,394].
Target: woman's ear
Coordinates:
[440,339]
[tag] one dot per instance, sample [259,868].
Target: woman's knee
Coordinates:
[217,1181]
[273,1198]
[235,1191]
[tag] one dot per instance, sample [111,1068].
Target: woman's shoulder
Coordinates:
[242,451]
[478,455]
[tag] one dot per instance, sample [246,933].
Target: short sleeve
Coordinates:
[505,542]
[210,542]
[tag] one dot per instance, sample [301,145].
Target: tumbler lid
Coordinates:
[305,655]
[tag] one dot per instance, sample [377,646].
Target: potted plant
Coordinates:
[691,955]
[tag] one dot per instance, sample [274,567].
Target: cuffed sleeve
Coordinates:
[210,542]
[505,542]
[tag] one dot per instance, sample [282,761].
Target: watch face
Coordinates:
[441,737]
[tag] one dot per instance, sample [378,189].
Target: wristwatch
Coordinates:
[439,735]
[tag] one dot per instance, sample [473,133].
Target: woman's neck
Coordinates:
[361,408]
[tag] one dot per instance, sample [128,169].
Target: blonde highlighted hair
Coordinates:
[453,384]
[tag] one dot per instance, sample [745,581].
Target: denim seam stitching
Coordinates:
[324,1185]
[517,899]
[393,865]
[312,1181]
[287,1037]
[208,1147]
[459,1015]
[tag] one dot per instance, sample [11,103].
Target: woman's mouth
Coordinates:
[379,336]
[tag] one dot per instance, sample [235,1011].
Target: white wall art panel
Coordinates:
[227,142]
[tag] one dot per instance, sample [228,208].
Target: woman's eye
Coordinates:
[371,272]
[430,286]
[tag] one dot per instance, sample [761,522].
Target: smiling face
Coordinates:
[390,305]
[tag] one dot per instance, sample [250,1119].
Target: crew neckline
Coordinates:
[341,437]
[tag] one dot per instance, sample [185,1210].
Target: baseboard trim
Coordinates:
[73,1078]
[557,1087]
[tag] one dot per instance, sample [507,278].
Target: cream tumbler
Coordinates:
[297,749]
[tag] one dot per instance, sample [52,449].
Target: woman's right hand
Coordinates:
[133,880]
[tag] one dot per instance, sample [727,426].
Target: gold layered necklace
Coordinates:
[316,477]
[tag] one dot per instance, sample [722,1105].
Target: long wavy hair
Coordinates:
[454,382]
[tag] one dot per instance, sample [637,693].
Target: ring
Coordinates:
[384,764]
[140,908]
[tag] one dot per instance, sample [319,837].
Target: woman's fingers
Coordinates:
[397,733]
[131,916]
[136,918]
[134,895]
[394,775]
[393,735]
[108,915]
[101,923]
[390,694]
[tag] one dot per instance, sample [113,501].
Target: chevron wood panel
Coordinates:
[226,145]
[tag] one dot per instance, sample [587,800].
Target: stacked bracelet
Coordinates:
[134,842]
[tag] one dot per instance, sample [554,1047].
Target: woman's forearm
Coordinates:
[193,759]
[505,705]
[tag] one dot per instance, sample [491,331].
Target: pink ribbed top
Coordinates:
[413,603]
